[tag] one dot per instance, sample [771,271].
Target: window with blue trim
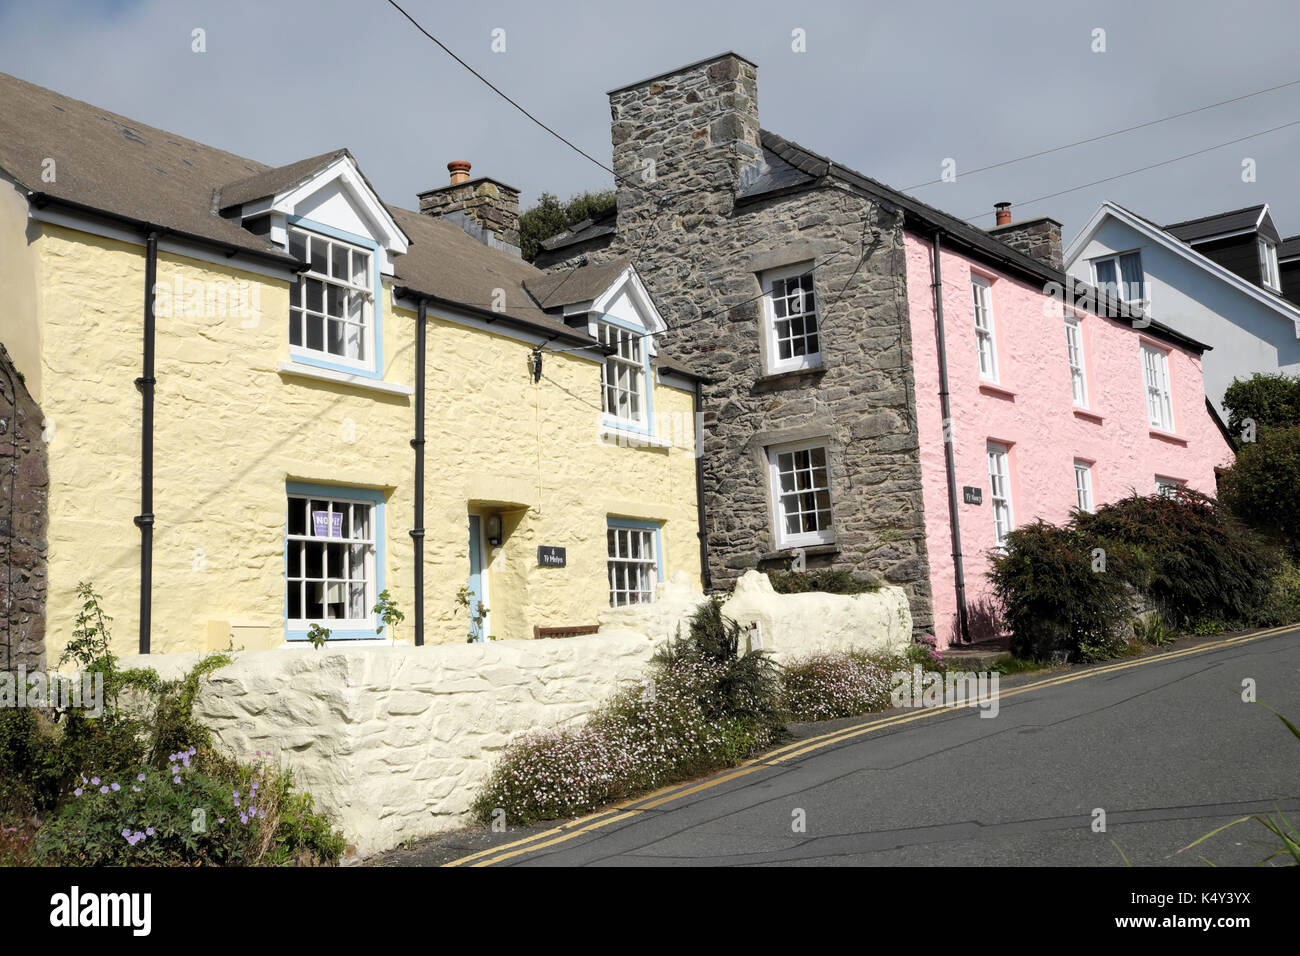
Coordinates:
[623,378]
[332,304]
[331,566]
[633,562]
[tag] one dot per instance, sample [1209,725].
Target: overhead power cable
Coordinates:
[1143,169]
[1101,136]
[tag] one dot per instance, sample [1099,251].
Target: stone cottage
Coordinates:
[783,277]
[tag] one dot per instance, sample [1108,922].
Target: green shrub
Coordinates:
[1154,631]
[1192,559]
[746,685]
[148,743]
[828,580]
[199,810]
[1271,401]
[1263,485]
[1283,603]
[1053,600]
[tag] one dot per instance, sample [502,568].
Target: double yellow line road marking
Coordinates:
[575,828]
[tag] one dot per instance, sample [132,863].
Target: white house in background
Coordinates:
[1215,279]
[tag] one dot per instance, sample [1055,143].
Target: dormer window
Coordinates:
[331,305]
[1121,277]
[1268,271]
[623,379]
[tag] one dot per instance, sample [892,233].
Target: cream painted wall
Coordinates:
[230,430]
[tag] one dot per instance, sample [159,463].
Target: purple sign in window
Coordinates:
[326,525]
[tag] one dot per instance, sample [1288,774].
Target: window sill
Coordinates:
[630,438]
[997,391]
[810,550]
[300,370]
[1168,436]
[793,378]
[1088,416]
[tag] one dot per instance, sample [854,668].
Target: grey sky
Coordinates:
[890,89]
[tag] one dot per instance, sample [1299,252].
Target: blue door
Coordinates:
[476,593]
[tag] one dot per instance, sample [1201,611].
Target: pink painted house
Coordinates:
[1050,407]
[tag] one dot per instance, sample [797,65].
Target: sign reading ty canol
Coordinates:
[917,688]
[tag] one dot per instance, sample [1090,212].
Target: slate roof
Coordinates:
[1189,230]
[107,163]
[580,232]
[273,181]
[575,285]
[114,164]
[1288,247]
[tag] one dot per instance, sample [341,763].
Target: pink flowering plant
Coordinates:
[839,684]
[704,707]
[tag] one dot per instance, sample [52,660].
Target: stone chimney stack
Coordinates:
[485,208]
[1038,238]
[690,134]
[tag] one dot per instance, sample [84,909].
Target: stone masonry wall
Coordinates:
[701,255]
[24,490]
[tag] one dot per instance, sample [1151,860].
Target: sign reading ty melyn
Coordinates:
[549,556]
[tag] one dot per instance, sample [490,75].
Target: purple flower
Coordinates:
[221,819]
[148,831]
[126,833]
[94,781]
[117,787]
[194,751]
[243,818]
[176,779]
[103,789]
[135,789]
[78,792]
[140,778]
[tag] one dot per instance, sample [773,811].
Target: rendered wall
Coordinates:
[1033,413]
[395,742]
[1246,336]
[231,430]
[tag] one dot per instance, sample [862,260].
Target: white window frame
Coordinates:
[999,466]
[1156,388]
[823,533]
[634,553]
[1083,485]
[772,304]
[1117,258]
[986,343]
[624,375]
[349,288]
[1078,363]
[1268,268]
[348,539]
[1168,487]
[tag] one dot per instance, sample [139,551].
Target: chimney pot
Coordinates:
[459,170]
[1003,210]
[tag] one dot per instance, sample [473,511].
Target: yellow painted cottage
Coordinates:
[268,397]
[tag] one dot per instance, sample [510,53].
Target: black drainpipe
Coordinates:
[417,533]
[949,462]
[699,486]
[145,383]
